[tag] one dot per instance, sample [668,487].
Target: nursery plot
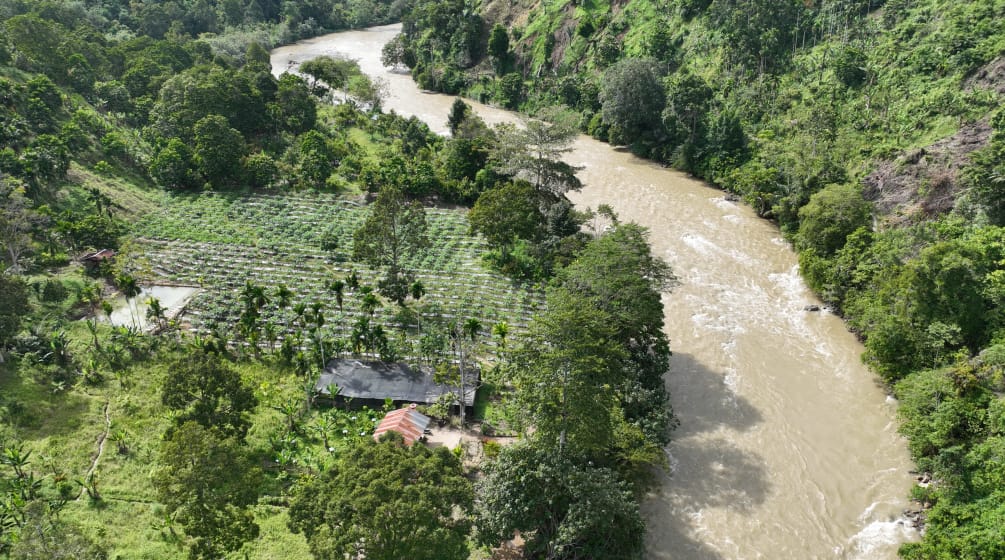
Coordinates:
[219,242]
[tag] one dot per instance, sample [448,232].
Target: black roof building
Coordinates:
[396,381]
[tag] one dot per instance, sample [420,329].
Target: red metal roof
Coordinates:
[408,422]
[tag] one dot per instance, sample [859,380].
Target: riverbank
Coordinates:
[788,446]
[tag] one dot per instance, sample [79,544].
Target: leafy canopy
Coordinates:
[204,389]
[386,501]
[207,483]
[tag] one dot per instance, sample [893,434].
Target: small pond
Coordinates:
[133,313]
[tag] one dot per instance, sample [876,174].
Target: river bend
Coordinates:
[788,446]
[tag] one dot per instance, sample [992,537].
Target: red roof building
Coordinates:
[408,422]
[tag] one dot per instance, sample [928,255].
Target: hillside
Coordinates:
[869,131]
[187,241]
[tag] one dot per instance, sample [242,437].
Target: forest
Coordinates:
[150,146]
[869,131]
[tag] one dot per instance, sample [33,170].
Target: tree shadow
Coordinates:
[703,400]
[36,411]
[707,469]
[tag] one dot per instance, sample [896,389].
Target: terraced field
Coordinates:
[218,242]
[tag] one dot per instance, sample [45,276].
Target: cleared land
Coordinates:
[218,242]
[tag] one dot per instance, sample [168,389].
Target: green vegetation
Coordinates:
[868,130]
[153,139]
[218,242]
[387,501]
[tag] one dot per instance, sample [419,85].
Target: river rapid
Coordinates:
[788,446]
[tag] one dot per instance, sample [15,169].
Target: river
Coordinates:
[788,446]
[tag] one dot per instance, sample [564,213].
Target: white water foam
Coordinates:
[879,537]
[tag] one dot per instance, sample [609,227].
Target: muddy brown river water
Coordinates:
[787,447]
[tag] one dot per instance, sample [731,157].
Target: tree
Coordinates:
[173,166]
[43,536]
[295,108]
[507,213]
[207,483]
[565,373]
[458,112]
[256,54]
[386,501]
[618,274]
[203,389]
[218,150]
[850,66]
[564,509]
[13,307]
[688,99]
[316,158]
[534,152]
[632,99]
[17,220]
[368,92]
[394,230]
[830,216]
[498,47]
[261,170]
[509,90]
[335,72]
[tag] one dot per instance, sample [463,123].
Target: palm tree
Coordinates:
[92,296]
[369,303]
[418,290]
[130,288]
[500,330]
[270,334]
[254,296]
[471,328]
[299,310]
[156,311]
[337,287]
[283,298]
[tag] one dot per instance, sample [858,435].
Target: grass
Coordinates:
[62,429]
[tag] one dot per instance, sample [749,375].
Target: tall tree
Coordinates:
[534,152]
[204,389]
[17,220]
[13,307]
[218,150]
[618,274]
[507,213]
[207,483]
[394,230]
[43,536]
[632,99]
[565,510]
[386,501]
[458,112]
[565,373]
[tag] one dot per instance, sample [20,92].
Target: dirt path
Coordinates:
[101,449]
